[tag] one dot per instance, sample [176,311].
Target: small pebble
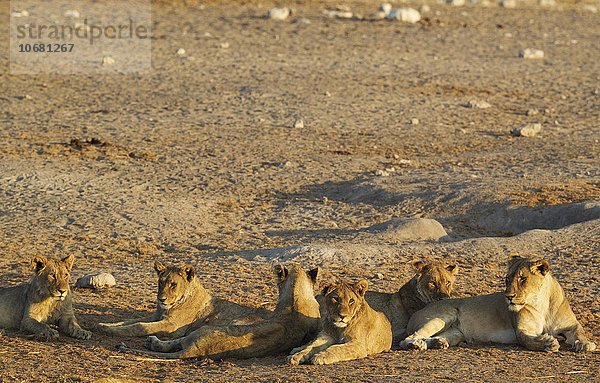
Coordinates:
[337,14]
[299,124]
[385,8]
[72,13]
[546,3]
[531,53]
[456,3]
[224,45]
[279,13]
[478,104]
[378,276]
[532,112]
[425,8]
[22,13]
[107,60]
[381,173]
[180,52]
[529,130]
[406,15]
[414,121]
[508,3]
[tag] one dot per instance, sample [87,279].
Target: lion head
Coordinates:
[524,281]
[343,301]
[295,284]
[51,278]
[435,280]
[174,283]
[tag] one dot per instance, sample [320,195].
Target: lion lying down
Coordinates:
[45,300]
[351,328]
[183,305]
[294,321]
[532,311]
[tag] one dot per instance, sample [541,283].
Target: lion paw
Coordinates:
[47,334]
[80,333]
[586,346]
[296,359]
[413,344]
[320,359]
[550,343]
[151,342]
[438,343]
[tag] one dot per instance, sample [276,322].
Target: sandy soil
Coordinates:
[199,162]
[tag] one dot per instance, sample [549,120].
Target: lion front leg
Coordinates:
[530,334]
[155,344]
[43,330]
[577,339]
[304,353]
[142,328]
[149,318]
[68,325]
[340,353]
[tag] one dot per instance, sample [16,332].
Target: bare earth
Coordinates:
[198,161]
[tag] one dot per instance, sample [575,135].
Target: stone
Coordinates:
[378,276]
[456,3]
[531,53]
[406,15]
[478,104]
[425,8]
[299,124]
[414,121]
[72,13]
[381,173]
[385,8]
[22,13]
[528,130]
[337,14]
[107,60]
[547,3]
[279,13]
[180,52]
[96,281]
[532,112]
[410,229]
[508,3]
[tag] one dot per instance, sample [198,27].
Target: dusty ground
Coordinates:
[198,162]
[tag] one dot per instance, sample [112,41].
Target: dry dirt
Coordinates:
[198,161]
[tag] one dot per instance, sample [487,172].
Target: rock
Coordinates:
[72,13]
[378,276]
[508,3]
[180,52]
[107,60]
[96,281]
[299,124]
[425,8]
[385,8]
[546,3]
[529,130]
[478,104]
[337,14]
[279,13]
[532,112]
[381,173]
[531,53]
[379,15]
[406,15]
[22,13]
[409,229]
[456,3]
[414,121]
[224,45]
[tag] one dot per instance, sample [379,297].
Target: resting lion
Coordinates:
[294,321]
[433,281]
[351,328]
[183,305]
[531,312]
[46,300]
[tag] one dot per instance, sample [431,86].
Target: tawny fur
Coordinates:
[183,305]
[295,319]
[43,302]
[351,329]
[531,312]
[433,281]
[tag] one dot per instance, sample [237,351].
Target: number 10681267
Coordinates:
[50,48]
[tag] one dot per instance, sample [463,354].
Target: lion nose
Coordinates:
[62,292]
[510,297]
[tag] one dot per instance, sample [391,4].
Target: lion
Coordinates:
[351,328]
[294,321]
[433,281]
[182,306]
[44,301]
[532,311]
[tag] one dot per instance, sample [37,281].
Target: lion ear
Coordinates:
[361,287]
[159,267]
[327,288]
[452,268]
[541,266]
[68,261]
[419,265]
[281,272]
[512,258]
[188,272]
[39,263]
[314,273]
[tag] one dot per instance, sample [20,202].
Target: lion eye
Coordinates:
[431,285]
[522,279]
[173,284]
[351,301]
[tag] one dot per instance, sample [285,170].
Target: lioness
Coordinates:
[294,321]
[531,312]
[45,300]
[433,281]
[182,305]
[351,328]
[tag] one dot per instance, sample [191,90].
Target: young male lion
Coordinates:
[433,281]
[532,310]
[182,305]
[295,319]
[46,300]
[351,328]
